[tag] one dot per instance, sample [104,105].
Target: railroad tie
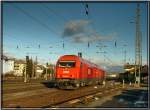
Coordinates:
[74,101]
[87,99]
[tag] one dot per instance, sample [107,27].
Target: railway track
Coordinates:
[7,90]
[18,95]
[54,97]
[85,98]
[21,87]
[19,84]
[20,90]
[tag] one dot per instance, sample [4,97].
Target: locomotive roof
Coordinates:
[83,60]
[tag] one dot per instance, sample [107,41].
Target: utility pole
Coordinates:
[25,74]
[124,63]
[32,69]
[46,73]
[138,49]
[46,70]
[36,62]
[125,54]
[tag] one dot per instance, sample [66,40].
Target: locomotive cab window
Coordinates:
[69,64]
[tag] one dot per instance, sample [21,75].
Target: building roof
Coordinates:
[20,61]
[6,58]
[41,66]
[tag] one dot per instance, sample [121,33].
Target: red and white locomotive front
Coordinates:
[67,70]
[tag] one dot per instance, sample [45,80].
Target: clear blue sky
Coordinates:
[47,24]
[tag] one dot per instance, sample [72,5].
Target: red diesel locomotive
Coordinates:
[73,71]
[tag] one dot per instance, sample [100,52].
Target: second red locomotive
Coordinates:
[73,71]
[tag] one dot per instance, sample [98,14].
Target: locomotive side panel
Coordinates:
[83,73]
[73,71]
[95,73]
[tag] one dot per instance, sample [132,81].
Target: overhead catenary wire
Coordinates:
[108,49]
[108,59]
[96,33]
[64,19]
[36,20]
[46,11]
[88,13]
[56,13]
[63,42]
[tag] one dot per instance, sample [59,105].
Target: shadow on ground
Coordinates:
[52,84]
[134,98]
[49,84]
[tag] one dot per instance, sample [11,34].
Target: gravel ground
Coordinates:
[45,94]
[45,97]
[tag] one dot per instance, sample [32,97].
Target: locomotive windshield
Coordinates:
[66,64]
